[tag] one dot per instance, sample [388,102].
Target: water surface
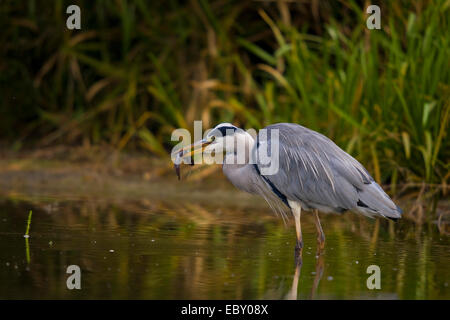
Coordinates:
[163,249]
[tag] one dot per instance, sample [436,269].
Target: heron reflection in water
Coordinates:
[318,273]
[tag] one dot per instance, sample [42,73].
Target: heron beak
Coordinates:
[195,148]
[189,151]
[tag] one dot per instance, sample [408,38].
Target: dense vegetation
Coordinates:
[139,69]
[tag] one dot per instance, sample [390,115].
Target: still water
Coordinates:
[163,249]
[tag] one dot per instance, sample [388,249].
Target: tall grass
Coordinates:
[383,95]
[139,69]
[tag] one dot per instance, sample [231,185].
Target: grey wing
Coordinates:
[314,171]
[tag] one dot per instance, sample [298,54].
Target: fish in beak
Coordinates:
[190,151]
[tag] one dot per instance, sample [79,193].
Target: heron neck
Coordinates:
[241,154]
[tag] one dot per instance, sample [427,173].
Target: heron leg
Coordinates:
[320,233]
[296,211]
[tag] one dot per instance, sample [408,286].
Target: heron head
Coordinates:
[224,137]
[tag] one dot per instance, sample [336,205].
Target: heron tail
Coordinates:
[373,201]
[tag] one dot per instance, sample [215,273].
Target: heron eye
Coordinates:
[212,138]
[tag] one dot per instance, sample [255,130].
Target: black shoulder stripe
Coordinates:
[274,189]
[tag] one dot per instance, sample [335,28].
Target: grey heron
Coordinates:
[313,174]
